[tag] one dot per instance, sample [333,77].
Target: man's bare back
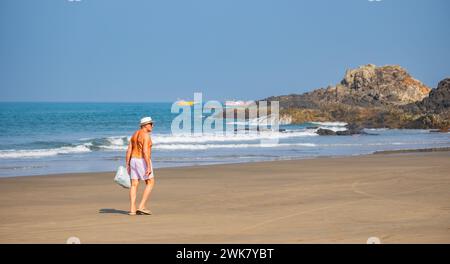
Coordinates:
[140,142]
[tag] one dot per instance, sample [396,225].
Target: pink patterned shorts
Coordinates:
[138,167]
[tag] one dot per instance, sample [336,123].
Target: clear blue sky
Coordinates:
[142,50]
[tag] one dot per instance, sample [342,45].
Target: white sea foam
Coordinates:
[224,146]
[38,153]
[167,142]
[248,136]
[116,141]
[334,128]
[114,147]
[189,141]
[332,124]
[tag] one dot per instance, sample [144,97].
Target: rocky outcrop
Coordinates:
[438,100]
[367,86]
[371,85]
[372,96]
[433,111]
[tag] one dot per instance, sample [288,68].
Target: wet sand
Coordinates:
[399,198]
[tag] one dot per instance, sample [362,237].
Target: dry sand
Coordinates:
[400,198]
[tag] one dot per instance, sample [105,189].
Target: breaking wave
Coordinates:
[160,141]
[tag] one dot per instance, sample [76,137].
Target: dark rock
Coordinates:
[439,99]
[344,133]
[352,129]
[350,132]
[429,121]
[325,132]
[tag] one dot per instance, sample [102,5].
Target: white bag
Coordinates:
[122,178]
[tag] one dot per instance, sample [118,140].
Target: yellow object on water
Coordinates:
[185,103]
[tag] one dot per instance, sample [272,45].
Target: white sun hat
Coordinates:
[146,120]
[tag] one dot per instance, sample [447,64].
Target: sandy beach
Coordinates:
[399,198]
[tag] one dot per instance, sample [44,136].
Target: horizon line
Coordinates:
[64,101]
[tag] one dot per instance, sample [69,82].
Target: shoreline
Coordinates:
[412,151]
[384,152]
[398,198]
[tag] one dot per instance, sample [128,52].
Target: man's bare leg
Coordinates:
[147,192]
[133,191]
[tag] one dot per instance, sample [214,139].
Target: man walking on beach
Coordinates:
[139,165]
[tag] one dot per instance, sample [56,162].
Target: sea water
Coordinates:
[48,138]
